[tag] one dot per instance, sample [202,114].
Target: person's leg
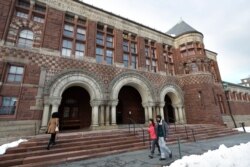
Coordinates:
[53,138]
[151,149]
[158,147]
[161,144]
[50,141]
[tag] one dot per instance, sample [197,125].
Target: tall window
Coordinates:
[74,37]
[151,57]
[104,44]
[169,61]
[66,48]
[15,74]
[79,52]
[26,39]
[8,105]
[129,50]
[99,55]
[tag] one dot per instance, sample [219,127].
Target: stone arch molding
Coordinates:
[76,79]
[174,92]
[137,81]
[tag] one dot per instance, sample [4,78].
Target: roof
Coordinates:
[181,28]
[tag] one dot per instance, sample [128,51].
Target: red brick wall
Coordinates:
[53,29]
[159,50]
[240,108]
[118,46]
[5,7]
[141,52]
[91,36]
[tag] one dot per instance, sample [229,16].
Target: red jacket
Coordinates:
[151,131]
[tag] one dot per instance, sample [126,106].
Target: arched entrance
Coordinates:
[75,109]
[129,101]
[168,110]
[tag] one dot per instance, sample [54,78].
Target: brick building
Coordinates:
[98,69]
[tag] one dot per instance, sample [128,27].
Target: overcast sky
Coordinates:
[225,25]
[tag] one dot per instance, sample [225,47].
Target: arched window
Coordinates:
[26,39]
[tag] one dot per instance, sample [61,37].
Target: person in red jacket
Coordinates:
[153,138]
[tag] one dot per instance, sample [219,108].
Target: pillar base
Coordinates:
[43,130]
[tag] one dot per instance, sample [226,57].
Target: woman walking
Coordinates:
[153,138]
[53,128]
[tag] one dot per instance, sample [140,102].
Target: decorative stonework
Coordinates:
[174,92]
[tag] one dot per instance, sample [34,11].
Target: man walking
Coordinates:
[161,130]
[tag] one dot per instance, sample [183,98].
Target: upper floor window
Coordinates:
[80,48]
[99,38]
[66,48]
[26,39]
[15,74]
[22,15]
[80,34]
[24,3]
[38,19]
[68,30]
[129,50]
[99,55]
[109,41]
[8,105]
[109,56]
[150,54]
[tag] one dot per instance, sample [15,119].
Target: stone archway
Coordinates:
[65,81]
[175,95]
[140,84]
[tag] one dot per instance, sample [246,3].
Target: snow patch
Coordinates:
[4,147]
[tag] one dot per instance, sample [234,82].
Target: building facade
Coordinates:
[98,69]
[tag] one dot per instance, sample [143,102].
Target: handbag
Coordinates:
[57,129]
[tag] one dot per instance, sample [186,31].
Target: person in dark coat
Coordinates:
[161,130]
[53,128]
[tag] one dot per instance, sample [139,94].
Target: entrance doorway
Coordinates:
[75,109]
[169,110]
[129,106]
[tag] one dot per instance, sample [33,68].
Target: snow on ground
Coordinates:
[237,156]
[4,147]
[246,128]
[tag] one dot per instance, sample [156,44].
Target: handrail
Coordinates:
[192,130]
[134,123]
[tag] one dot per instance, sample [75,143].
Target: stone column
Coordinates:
[45,118]
[177,119]
[150,114]
[181,120]
[184,115]
[162,104]
[102,114]
[146,112]
[113,112]
[107,120]
[94,116]
[157,110]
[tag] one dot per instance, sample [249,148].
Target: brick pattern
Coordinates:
[91,38]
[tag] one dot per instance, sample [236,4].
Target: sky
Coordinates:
[225,25]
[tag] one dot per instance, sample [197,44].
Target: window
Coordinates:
[66,48]
[8,105]
[133,61]
[40,8]
[99,55]
[146,51]
[15,74]
[81,34]
[68,30]
[25,39]
[133,47]
[38,19]
[99,38]
[153,52]
[109,41]
[22,15]
[125,60]
[148,64]
[154,66]
[24,3]
[125,46]
[79,53]
[109,57]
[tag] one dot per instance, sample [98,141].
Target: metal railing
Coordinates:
[133,122]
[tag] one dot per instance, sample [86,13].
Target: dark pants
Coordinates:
[52,140]
[154,143]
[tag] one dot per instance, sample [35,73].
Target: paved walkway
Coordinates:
[141,159]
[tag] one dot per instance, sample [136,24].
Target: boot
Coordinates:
[48,147]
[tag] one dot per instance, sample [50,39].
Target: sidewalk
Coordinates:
[141,159]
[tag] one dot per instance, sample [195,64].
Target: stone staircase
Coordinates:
[89,144]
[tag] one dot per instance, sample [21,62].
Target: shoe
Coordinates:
[48,148]
[170,155]
[151,156]
[162,159]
